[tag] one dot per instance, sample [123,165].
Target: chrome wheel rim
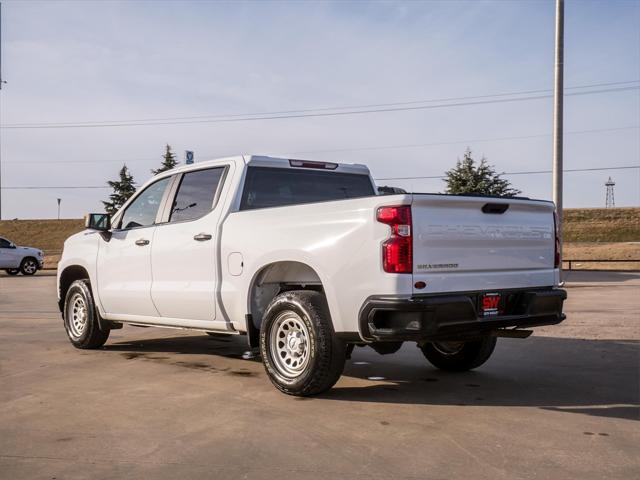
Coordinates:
[30,266]
[289,344]
[77,316]
[448,348]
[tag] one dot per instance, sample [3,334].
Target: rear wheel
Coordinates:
[29,266]
[12,271]
[81,317]
[459,356]
[300,351]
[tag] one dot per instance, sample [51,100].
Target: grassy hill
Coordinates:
[602,225]
[47,235]
[588,233]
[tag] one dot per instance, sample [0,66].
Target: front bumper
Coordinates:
[440,317]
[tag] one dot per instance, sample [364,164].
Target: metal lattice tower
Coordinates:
[610,200]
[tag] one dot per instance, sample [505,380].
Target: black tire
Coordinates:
[12,271]
[78,304]
[459,356]
[324,355]
[29,266]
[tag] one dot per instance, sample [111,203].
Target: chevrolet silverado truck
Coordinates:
[307,261]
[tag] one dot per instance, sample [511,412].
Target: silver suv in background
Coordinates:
[15,259]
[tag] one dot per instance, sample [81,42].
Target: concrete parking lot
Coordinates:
[157,403]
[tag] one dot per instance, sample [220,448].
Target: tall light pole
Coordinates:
[558,91]
[59,200]
[1,82]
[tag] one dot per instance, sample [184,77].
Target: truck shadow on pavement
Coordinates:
[224,346]
[592,377]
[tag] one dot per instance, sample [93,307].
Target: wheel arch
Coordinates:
[276,277]
[27,257]
[69,275]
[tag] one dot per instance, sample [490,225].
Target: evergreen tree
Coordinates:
[168,161]
[479,179]
[122,190]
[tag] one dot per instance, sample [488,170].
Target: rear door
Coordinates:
[480,243]
[184,250]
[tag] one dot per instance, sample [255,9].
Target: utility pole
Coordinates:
[1,82]
[558,92]
[59,200]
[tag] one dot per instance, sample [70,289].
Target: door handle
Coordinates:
[202,237]
[141,242]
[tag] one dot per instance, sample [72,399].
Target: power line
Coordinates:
[89,187]
[532,172]
[317,109]
[275,116]
[354,149]
[455,142]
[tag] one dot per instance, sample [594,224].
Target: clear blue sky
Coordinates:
[85,61]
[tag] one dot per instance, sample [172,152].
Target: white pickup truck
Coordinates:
[307,261]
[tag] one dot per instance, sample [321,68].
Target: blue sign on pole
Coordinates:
[188,157]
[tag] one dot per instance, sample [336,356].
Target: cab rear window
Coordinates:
[276,187]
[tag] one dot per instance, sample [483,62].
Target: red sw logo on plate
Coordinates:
[490,303]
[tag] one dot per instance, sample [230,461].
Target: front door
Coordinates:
[183,254]
[124,258]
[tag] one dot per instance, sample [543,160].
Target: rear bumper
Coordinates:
[456,315]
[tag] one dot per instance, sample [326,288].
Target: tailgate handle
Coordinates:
[495,208]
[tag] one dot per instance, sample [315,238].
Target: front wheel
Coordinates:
[29,266]
[81,317]
[12,271]
[459,356]
[300,351]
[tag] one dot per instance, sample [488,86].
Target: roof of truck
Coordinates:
[274,162]
[277,162]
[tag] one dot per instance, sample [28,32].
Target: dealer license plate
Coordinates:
[489,304]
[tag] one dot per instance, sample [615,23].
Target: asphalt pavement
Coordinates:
[166,404]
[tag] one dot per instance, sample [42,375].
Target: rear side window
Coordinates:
[276,187]
[196,194]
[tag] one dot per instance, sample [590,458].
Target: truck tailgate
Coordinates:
[482,243]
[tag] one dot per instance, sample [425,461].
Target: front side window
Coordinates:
[143,210]
[5,243]
[196,194]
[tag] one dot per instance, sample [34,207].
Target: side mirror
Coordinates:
[98,221]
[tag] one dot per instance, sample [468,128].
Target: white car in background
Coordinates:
[15,259]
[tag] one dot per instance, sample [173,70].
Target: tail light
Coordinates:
[397,251]
[556,253]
